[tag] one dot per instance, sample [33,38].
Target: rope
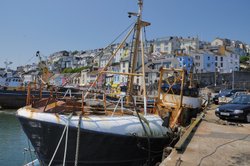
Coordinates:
[116,106]
[148,139]
[78,140]
[66,126]
[66,143]
[243,138]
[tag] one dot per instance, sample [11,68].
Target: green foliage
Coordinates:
[67,70]
[75,70]
[244,59]
[75,52]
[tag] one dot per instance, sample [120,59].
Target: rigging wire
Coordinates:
[146,41]
[131,50]
[29,59]
[125,30]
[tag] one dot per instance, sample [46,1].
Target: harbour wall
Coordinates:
[224,80]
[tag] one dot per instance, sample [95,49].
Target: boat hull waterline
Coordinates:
[107,141]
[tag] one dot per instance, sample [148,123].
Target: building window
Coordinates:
[197,57]
[216,64]
[123,64]
[208,65]
[221,58]
[165,48]
[197,64]
[221,64]
[208,58]
[216,58]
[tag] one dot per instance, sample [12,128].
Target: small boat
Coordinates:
[12,92]
[13,99]
[91,130]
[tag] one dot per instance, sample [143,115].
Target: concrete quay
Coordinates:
[214,143]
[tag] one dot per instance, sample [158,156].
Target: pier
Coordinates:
[213,142]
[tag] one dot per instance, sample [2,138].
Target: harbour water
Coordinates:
[13,141]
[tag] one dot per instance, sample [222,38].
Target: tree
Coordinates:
[75,52]
[244,59]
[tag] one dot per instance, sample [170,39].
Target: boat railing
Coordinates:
[97,103]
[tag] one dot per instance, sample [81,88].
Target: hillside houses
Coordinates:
[221,55]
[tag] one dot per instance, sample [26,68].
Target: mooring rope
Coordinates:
[66,143]
[147,134]
[78,139]
[65,128]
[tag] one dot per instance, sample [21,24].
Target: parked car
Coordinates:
[238,109]
[227,95]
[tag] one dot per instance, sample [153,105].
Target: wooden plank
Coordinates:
[179,145]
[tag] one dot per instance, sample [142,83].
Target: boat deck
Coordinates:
[214,142]
[70,106]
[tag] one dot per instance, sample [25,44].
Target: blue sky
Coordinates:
[53,25]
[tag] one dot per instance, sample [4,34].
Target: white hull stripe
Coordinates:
[122,125]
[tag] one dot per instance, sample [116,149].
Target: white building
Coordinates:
[229,62]
[166,45]
[204,61]
[85,59]
[221,42]
[124,68]
[247,47]
[188,44]
[88,77]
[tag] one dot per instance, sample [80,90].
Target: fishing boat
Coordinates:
[12,92]
[90,130]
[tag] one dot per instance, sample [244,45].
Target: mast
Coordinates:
[137,41]
[135,49]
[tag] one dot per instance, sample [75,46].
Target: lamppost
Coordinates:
[233,69]
[217,69]
[215,76]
